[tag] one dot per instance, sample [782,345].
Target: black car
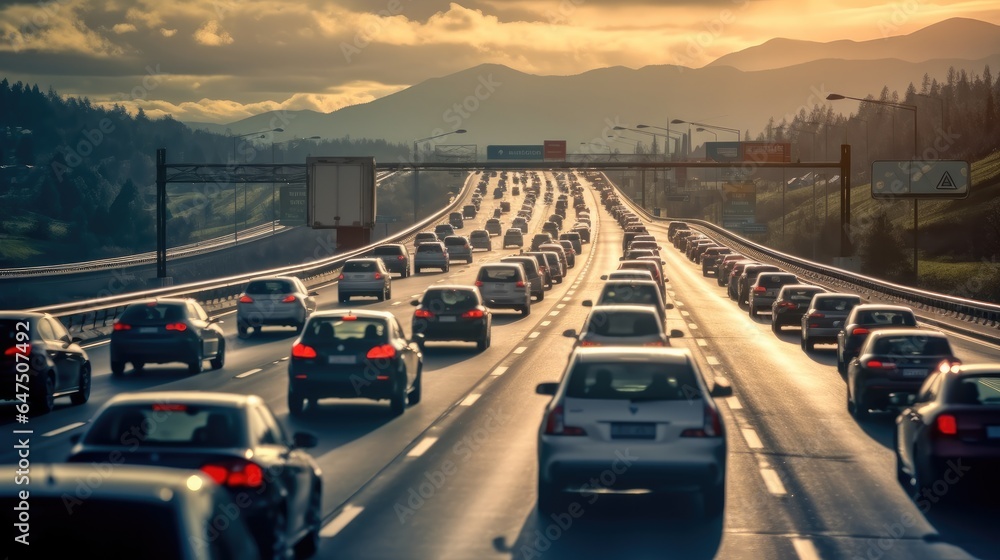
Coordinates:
[791,304]
[456,220]
[747,279]
[395,256]
[540,239]
[451,312]
[354,354]
[41,362]
[711,258]
[893,361]
[159,331]
[864,319]
[235,440]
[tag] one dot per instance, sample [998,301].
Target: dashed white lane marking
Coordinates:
[520,349]
[753,441]
[570,292]
[773,482]
[439,281]
[805,549]
[701,342]
[248,373]
[712,360]
[342,520]
[415,296]
[470,399]
[534,334]
[567,299]
[560,306]
[679,303]
[64,429]
[545,323]
[284,359]
[397,303]
[692,326]
[422,447]
[734,403]
[685,313]
[554,313]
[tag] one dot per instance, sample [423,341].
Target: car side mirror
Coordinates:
[547,388]
[668,306]
[604,277]
[303,440]
[588,303]
[570,333]
[414,302]
[676,333]
[722,388]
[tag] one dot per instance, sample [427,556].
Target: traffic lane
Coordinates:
[842,481]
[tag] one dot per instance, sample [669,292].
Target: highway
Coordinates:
[454,477]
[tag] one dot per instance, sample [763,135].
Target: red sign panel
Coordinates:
[767,152]
[555,149]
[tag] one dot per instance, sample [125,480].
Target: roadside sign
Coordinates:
[920,179]
[555,150]
[723,152]
[515,152]
[292,206]
[754,228]
[383,219]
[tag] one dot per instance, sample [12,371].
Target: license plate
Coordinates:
[914,372]
[633,431]
[447,319]
[993,432]
[501,287]
[343,359]
[148,330]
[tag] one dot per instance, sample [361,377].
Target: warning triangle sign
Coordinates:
[946,182]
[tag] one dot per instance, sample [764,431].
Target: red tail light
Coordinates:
[478,284]
[787,304]
[878,364]
[341,277]
[589,343]
[946,425]
[859,330]
[122,327]
[816,316]
[555,425]
[18,349]
[712,427]
[289,299]
[473,314]
[303,351]
[246,299]
[179,327]
[238,474]
[423,314]
[657,343]
[520,284]
[381,352]
[759,289]
[378,275]
[400,258]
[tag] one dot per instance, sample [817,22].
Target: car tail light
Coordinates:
[382,351]
[349,318]
[378,275]
[18,349]
[712,427]
[946,425]
[589,343]
[816,316]
[400,258]
[859,331]
[657,343]
[787,304]
[759,289]
[520,283]
[235,474]
[555,425]
[341,277]
[302,351]
[246,299]
[878,364]
[179,327]
[473,314]
[122,327]
[289,299]
[478,284]
[949,365]
[423,314]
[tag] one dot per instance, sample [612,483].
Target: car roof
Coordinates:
[362,313]
[435,243]
[644,354]
[199,397]
[637,283]
[881,333]
[624,308]
[881,307]
[466,287]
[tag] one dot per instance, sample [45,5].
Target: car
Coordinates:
[765,290]
[653,266]
[425,237]
[456,220]
[696,247]
[679,237]
[575,240]
[953,418]
[621,325]
[641,399]
[546,270]
[534,274]
[519,223]
[674,227]
[504,286]
[658,264]
[458,248]
[444,230]
[480,239]
[570,252]
[513,236]
[648,245]
[166,330]
[355,354]
[825,317]
[469,211]
[274,300]
[130,499]
[632,293]
[634,254]
[505,206]
[232,438]
[551,228]
[862,321]
[431,255]
[749,277]
[724,267]
[540,239]
[364,277]
[497,213]
[584,231]
[395,256]
[700,249]
[711,258]
[894,361]
[452,312]
[628,274]
[41,362]
[498,193]
[493,226]
[791,304]
[560,252]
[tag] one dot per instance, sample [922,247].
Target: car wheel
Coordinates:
[483,343]
[117,368]
[388,293]
[810,346]
[752,311]
[541,295]
[841,366]
[526,310]
[469,261]
[278,543]
[44,395]
[397,403]
[82,394]
[859,408]
[296,403]
[414,396]
[242,329]
[220,357]
[299,327]
[196,366]
[905,480]
[309,545]
[714,500]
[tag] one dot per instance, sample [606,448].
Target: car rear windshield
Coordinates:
[360,266]
[623,323]
[836,303]
[980,389]
[154,313]
[481,235]
[802,295]
[429,248]
[912,345]
[322,331]
[630,293]
[633,380]
[454,241]
[165,424]
[449,300]
[772,280]
[388,250]
[270,287]
[876,318]
[527,263]
[498,274]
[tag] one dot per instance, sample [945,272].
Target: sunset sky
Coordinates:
[226,60]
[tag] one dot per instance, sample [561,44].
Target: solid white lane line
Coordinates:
[468,401]
[64,429]
[712,360]
[422,447]
[701,341]
[499,371]
[734,403]
[753,441]
[284,359]
[773,482]
[248,373]
[415,296]
[520,349]
[545,323]
[342,520]
[805,549]
[534,334]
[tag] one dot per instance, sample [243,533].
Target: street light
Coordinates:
[416,180]
[739,136]
[712,132]
[274,214]
[666,146]
[262,133]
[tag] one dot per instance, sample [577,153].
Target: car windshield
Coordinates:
[449,300]
[164,424]
[628,380]
[622,323]
[630,293]
[980,389]
[273,287]
[360,266]
[154,313]
[836,303]
[912,345]
[322,331]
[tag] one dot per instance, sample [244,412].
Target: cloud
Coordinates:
[168,32]
[212,35]
[122,28]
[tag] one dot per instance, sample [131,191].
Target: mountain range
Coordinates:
[741,91]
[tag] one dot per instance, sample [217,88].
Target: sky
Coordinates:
[226,60]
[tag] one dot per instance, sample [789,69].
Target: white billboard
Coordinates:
[340,192]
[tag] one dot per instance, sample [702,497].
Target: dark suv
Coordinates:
[159,331]
[766,289]
[452,313]
[41,356]
[395,256]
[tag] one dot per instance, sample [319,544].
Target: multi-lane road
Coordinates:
[454,477]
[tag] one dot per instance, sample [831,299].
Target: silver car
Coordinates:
[480,239]
[513,236]
[364,277]
[631,420]
[621,325]
[430,255]
[274,300]
[505,285]
[459,248]
[632,292]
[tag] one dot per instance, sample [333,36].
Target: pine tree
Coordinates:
[881,250]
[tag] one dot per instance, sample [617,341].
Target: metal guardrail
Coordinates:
[95,314]
[968,310]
